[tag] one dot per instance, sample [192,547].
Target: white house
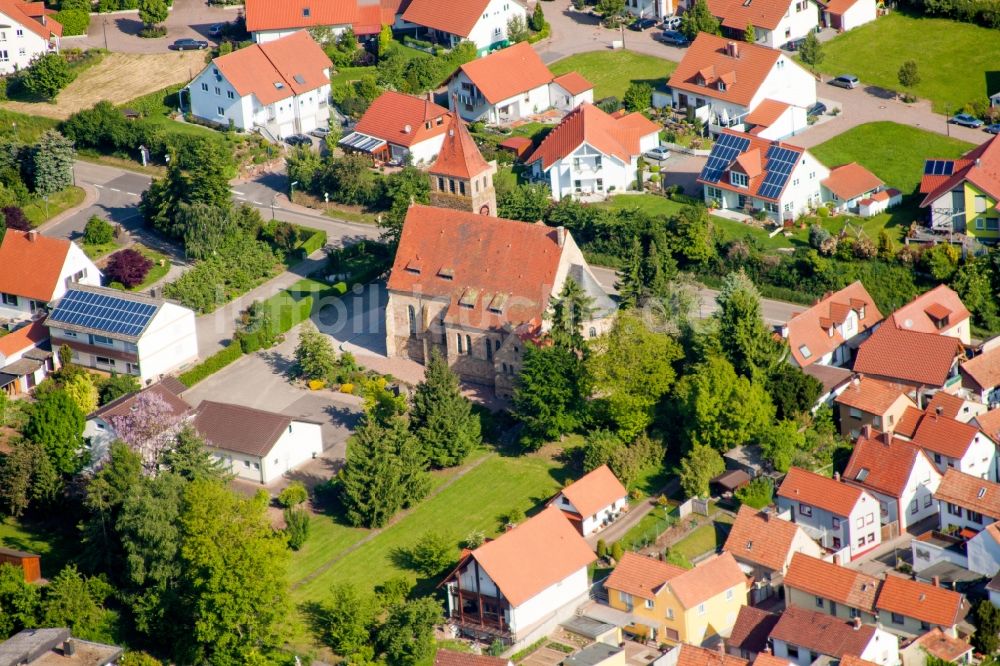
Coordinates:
[657,9]
[268,20]
[593,501]
[281,86]
[27,30]
[966,502]
[482,22]
[512,83]
[848,185]
[254,444]
[521,585]
[36,270]
[774,120]
[775,22]
[938,311]
[592,153]
[397,127]
[847,14]
[983,551]
[25,358]
[127,333]
[951,444]
[747,174]
[802,636]
[842,517]
[829,331]
[723,80]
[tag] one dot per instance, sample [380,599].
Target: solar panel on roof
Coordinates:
[938,167]
[102,312]
[726,149]
[780,163]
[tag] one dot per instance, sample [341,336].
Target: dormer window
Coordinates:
[861,312]
[739,179]
[829,332]
[805,351]
[446,273]
[722,85]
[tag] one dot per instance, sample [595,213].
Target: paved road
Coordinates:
[119,31]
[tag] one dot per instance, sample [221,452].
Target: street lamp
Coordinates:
[105,24]
[274,201]
[291,189]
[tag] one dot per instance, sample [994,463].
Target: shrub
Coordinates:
[14,218]
[347,388]
[823,211]
[602,549]
[98,231]
[293,495]
[430,554]
[296,527]
[474,539]
[757,494]
[47,75]
[617,551]
[128,266]
[74,21]
[211,365]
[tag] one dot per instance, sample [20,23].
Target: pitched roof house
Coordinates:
[509,586]
[281,86]
[829,331]
[967,503]
[874,403]
[951,444]
[511,84]
[849,184]
[591,152]
[32,32]
[910,608]
[482,22]
[939,645]
[25,358]
[844,15]
[268,20]
[913,358]
[981,376]
[36,270]
[593,501]
[831,589]
[749,636]
[939,311]
[693,655]
[775,22]
[802,636]
[961,195]
[397,125]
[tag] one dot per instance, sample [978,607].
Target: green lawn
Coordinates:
[39,211]
[705,539]
[956,61]
[23,127]
[101,250]
[611,72]
[37,538]
[648,528]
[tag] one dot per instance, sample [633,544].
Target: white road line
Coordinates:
[238,192]
[132,194]
[257,203]
[115,189]
[101,187]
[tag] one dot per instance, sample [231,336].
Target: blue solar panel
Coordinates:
[780,163]
[726,149]
[938,167]
[103,312]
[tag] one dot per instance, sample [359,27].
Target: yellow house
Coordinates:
[675,605]
[961,195]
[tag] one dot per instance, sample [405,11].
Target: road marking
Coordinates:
[98,186]
[132,194]
[257,203]
[115,189]
[237,192]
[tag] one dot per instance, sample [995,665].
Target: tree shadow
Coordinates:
[992,80]
[341,415]
[128,26]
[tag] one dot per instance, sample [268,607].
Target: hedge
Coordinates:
[315,240]
[211,365]
[73,21]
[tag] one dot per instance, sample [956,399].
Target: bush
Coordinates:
[602,549]
[211,365]
[617,551]
[316,240]
[129,267]
[47,75]
[74,21]
[430,554]
[756,494]
[293,495]
[14,218]
[98,231]
[296,527]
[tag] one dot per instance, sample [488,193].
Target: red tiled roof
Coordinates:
[737,14]
[761,538]
[923,601]
[692,655]
[822,492]
[830,581]
[943,435]
[984,369]
[767,112]
[708,55]
[520,145]
[838,7]
[31,264]
[980,166]
[278,69]
[873,396]
[29,14]
[706,580]
[291,14]
[944,647]
[882,463]
[23,339]
[939,302]
[459,156]
[392,113]
[822,633]
[752,628]
[457,18]
[907,425]
[574,83]
[756,177]
[807,328]
[641,576]
[768,659]
[508,72]
[618,136]
[594,491]
[371,18]
[507,265]
[950,405]
[970,492]
[909,356]
[450,658]
[989,423]
[852,180]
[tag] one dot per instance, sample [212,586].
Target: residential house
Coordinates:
[829,588]
[841,516]
[36,270]
[593,501]
[511,84]
[829,331]
[874,403]
[597,654]
[659,9]
[951,444]
[693,655]
[939,645]
[938,311]
[397,127]
[802,636]
[961,195]
[954,407]
[747,174]
[480,299]
[833,380]
[774,120]
[674,605]
[749,636]
[460,177]
[723,80]
[592,153]
[989,423]
[127,333]
[279,87]
[27,30]
[519,586]
[898,474]
[445,657]
[775,22]
[981,375]
[910,608]
[254,444]
[29,563]
[46,646]
[913,358]
[267,20]
[845,15]
[764,544]
[983,551]
[967,504]
[848,184]
[482,22]
[25,358]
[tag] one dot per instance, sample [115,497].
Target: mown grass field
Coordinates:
[611,72]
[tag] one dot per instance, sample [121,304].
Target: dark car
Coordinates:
[190,45]
[965,120]
[673,38]
[215,29]
[793,45]
[298,140]
[992,129]
[817,109]
[848,81]
[641,24]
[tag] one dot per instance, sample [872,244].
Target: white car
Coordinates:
[659,153]
[672,23]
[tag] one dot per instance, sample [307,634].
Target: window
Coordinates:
[102,340]
[576,163]
[793,653]
[897,618]
[729,594]
[256,465]
[861,542]
[9,299]
[204,86]
[855,413]
[836,543]
[230,94]
[70,334]
[836,523]
[600,184]
[489,350]
[4,57]
[877,422]
[461,187]
[246,463]
[577,185]
[928,500]
[770,207]
[974,517]
[869,519]
[937,458]
[980,204]
[819,602]
[701,609]
[914,506]
[670,613]
[871,538]
[218,90]
[713,192]
[593,332]
[738,179]
[855,613]
[806,510]
[468,345]
[102,360]
[19,32]
[648,603]
[221,111]
[458,339]
[626,599]
[954,509]
[597,162]
[412,315]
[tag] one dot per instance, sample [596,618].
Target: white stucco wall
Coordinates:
[18,45]
[300,442]
[169,342]
[984,554]
[492,25]
[549,600]
[561,98]
[861,12]
[795,24]
[787,82]
[262,36]
[793,121]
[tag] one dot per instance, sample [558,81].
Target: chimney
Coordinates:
[561,236]
[857,623]
[32,235]
[732,49]
[866,431]
[938,410]
[767,513]
[936,581]
[836,476]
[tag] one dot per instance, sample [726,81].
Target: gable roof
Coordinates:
[753,626]
[767,112]
[761,537]
[950,405]
[980,166]
[941,645]
[707,61]
[811,328]
[830,376]
[533,556]
[989,423]
[969,492]
[238,428]
[22,339]
[457,18]
[117,314]
[873,396]
[31,264]
[693,655]
[508,72]
[574,83]
[849,181]
[291,14]
[30,15]
[276,70]
[392,113]
[707,579]
[610,134]
[830,581]
[594,491]
[445,657]
[928,603]
[983,369]
[910,356]
[758,158]
[737,14]
[459,156]
[820,491]
[922,312]
[168,389]
[505,269]
[822,633]
[838,7]
[882,463]
[943,435]
[768,659]
[641,576]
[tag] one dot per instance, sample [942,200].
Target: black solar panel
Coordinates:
[726,149]
[938,167]
[780,163]
[103,312]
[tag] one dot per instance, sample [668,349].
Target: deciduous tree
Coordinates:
[407,636]
[699,19]
[698,467]
[347,619]
[430,554]
[98,231]
[47,74]
[149,428]
[80,387]
[56,423]
[811,50]
[153,12]
[908,74]
[550,394]
[315,357]
[113,387]
[780,442]
[442,418]
[18,601]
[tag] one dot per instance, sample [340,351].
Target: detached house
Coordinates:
[513,83]
[724,80]
[592,153]
[749,636]
[268,20]
[828,588]
[939,311]
[967,503]
[840,516]
[747,174]
[848,14]
[830,331]
[520,585]
[593,501]
[36,270]
[910,608]
[851,184]
[981,376]
[802,636]
[775,22]
[280,87]
[25,358]
[961,195]
[915,359]
[951,444]
[874,403]
[27,30]
[482,22]
[397,126]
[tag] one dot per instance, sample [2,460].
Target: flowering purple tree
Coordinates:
[128,266]
[150,427]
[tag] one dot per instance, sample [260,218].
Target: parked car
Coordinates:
[965,120]
[320,132]
[672,23]
[659,153]
[673,38]
[641,24]
[189,44]
[215,30]
[992,129]
[298,140]
[848,81]
[793,45]
[817,109]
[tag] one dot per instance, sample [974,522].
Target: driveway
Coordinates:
[119,31]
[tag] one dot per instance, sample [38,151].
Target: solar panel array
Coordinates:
[102,312]
[780,162]
[726,149]
[362,142]
[938,167]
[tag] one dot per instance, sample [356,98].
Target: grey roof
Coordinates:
[587,627]
[592,288]
[43,647]
[116,314]
[948,573]
[592,654]
[829,376]
[21,367]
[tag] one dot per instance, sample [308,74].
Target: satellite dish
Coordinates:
[908,323]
